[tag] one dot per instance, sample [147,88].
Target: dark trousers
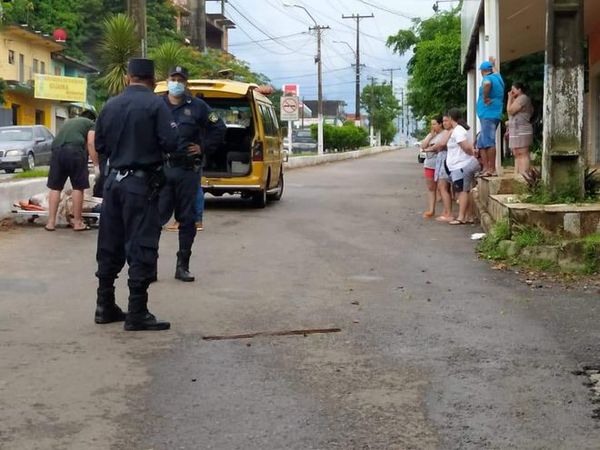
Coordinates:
[179,196]
[129,230]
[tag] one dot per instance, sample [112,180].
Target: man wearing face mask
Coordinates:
[200,129]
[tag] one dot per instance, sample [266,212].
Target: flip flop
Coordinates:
[85,228]
[49,229]
[444,218]
[457,222]
[427,215]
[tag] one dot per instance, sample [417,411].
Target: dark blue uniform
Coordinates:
[197,124]
[134,131]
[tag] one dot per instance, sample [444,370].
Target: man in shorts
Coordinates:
[489,110]
[70,150]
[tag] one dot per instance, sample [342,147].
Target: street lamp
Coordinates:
[436,5]
[357,82]
[318,29]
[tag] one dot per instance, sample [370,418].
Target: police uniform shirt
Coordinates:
[197,123]
[135,129]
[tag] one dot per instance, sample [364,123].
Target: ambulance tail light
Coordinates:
[257,151]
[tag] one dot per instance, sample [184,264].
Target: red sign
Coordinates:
[291,89]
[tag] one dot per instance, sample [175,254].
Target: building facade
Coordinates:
[25,56]
[511,29]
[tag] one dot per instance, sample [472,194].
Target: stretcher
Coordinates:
[90,218]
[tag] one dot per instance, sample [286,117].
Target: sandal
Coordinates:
[85,228]
[444,218]
[49,229]
[457,222]
[427,215]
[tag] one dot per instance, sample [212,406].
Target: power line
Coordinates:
[383,8]
[260,29]
[269,39]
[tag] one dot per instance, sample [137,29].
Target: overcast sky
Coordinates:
[275,41]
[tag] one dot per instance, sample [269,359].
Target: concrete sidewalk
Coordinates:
[11,191]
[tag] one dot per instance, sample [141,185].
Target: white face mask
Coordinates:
[176,88]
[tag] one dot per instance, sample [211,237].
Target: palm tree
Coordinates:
[119,44]
[166,55]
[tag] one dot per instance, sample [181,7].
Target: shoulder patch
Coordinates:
[213,117]
[173,125]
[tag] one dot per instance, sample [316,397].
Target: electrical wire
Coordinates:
[386,9]
[260,28]
[269,39]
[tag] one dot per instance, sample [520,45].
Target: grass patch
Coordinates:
[35,173]
[591,253]
[529,237]
[488,246]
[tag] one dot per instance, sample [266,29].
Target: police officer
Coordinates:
[200,130]
[134,131]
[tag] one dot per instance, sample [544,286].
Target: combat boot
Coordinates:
[139,318]
[182,270]
[107,310]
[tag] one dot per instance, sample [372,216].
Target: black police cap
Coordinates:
[141,67]
[181,71]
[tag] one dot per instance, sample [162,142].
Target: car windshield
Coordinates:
[16,134]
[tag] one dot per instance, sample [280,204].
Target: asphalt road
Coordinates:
[436,349]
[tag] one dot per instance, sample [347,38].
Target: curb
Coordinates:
[297,162]
[11,191]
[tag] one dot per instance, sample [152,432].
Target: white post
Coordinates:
[492,48]
[472,101]
[290,136]
[320,135]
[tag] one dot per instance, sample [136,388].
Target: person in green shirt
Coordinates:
[70,150]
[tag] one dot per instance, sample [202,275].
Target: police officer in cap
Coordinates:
[135,131]
[201,130]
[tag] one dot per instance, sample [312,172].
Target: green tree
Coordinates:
[118,45]
[435,80]
[383,107]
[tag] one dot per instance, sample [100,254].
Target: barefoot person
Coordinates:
[429,164]
[70,150]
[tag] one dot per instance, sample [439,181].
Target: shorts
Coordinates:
[463,179]
[429,173]
[487,135]
[68,161]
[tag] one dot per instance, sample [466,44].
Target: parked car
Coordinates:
[24,147]
[421,155]
[302,141]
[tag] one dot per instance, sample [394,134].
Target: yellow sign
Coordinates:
[68,89]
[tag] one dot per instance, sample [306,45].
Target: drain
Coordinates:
[592,375]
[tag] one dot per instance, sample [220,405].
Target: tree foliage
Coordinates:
[118,45]
[383,107]
[435,80]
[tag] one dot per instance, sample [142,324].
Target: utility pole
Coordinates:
[371,108]
[198,22]
[357,17]
[136,9]
[318,60]
[391,71]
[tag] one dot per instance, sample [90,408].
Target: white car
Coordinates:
[421,155]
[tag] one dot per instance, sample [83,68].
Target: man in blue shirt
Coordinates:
[489,110]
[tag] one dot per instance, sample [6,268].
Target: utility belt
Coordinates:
[153,176]
[183,161]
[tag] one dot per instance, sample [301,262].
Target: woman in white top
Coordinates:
[461,163]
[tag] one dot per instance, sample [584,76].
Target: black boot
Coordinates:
[182,271]
[107,310]
[139,318]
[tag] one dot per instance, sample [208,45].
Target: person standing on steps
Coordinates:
[490,105]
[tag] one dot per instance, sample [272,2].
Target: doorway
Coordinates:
[15,114]
[39,117]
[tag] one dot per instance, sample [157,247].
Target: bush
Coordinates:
[346,137]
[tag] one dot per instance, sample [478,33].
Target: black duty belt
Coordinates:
[124,173]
